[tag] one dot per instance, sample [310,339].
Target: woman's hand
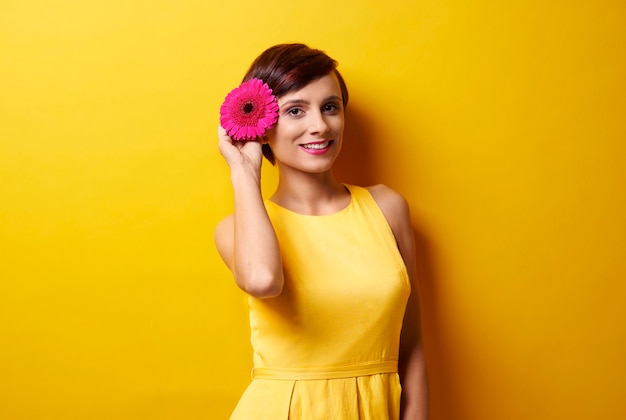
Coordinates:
[239,153]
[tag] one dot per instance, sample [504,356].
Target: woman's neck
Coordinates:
[311,194]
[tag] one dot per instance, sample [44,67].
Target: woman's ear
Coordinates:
[263,140]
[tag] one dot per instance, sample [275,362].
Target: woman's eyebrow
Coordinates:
[295,101]
[305,102]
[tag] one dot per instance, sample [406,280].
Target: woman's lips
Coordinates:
[317,147]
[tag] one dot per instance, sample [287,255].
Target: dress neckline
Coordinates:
[337,213]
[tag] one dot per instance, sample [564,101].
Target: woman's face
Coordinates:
[309,132]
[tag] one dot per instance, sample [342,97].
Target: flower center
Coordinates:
[248,107]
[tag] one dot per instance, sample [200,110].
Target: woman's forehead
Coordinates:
[325,86]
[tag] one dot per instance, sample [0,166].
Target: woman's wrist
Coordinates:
[246,174]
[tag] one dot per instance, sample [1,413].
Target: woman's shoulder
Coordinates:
[223,236]
[225,224]
[393,205]
[386,197]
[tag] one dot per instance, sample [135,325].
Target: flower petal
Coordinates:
[249,110]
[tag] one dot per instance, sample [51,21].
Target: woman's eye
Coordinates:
[330,108]
[294,111]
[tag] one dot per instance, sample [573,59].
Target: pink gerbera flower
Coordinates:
[249,110]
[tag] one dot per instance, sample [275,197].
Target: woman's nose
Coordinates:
[318,124]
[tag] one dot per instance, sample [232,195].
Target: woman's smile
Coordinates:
[316,148]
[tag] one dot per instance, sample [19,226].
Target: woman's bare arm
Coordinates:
[412,365]
[246,240]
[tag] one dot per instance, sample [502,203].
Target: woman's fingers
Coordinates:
[237,152]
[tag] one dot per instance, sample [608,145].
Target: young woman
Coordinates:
[328,267]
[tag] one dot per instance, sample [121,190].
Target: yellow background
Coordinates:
[501,122]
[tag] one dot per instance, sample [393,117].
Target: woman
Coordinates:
[328,267]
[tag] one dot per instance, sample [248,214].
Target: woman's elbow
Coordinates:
[262,285]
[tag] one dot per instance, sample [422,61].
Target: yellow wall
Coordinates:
[502,123]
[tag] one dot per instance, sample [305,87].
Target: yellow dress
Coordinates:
[327,347]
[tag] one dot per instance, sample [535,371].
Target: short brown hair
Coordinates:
[290,67]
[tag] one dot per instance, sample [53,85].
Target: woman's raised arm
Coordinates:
[246,240]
